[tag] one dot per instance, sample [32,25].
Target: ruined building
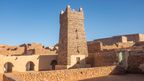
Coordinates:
[74,51]
[125,51]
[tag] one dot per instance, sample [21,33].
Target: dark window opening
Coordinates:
[78,60]
[53,64]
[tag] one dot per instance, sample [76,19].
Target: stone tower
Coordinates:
[72,40]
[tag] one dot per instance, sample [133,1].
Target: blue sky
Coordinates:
[27,21]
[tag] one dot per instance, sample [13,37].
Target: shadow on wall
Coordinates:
[80,63]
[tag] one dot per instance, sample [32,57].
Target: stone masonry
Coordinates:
[72,41]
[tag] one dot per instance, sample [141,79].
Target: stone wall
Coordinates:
[94,46]
[66,75]
[136,62]
[112,40]
[133,37]
[121,39]
[105,58]
[118,46]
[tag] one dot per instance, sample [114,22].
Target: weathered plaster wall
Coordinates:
[45,62]
[19,62]
[41,62]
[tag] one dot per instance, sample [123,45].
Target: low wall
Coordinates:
[66,75]
[10,77]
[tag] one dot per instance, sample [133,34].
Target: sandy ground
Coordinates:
[127,77]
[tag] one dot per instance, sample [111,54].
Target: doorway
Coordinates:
[30,66]
[8,67]
[53,64]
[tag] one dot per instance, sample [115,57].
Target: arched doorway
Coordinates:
[8,67]
[30,66]
[53,64]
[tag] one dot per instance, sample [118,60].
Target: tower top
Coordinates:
[68,9]
[68,6]
[80,9]
[62,12]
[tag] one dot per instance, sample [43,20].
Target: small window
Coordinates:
[78,60]
[76,30]
[77,37]
[76,34]
[78,49]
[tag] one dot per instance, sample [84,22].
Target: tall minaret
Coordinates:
[72,40]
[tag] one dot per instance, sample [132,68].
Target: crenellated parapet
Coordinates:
[72,13]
